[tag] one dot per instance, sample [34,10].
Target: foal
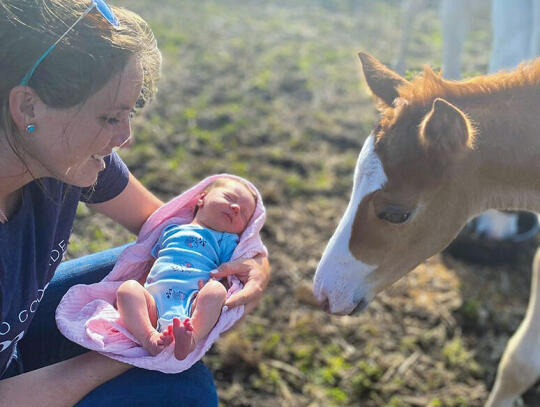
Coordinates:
[441,153]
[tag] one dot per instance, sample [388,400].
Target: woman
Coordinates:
[64,109]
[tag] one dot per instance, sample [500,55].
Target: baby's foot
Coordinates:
[155,342]
[167,337]
[183,338]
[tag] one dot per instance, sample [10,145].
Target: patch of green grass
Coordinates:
[470,310]
[367,374]
[436,402]
[304,356]
[82,210]
[294,184]
[190,113]
[320,180]
[396,402]
[334,370]
[268,378]
[408,343]
[169,40]
[255,330]
[262,79]
[457,356]
[240,168]
[460,401]
[270,343]
[337,396]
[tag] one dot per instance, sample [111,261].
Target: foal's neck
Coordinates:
[506,161]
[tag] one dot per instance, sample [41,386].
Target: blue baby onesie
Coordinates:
[184,255]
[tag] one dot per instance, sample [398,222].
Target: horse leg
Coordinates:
[511,23]
[409,9]
[520,364]
[535,35]
[454,30]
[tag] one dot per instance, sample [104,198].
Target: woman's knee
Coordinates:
[193,387]
[138,387]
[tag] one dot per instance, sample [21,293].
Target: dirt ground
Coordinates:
[273,91]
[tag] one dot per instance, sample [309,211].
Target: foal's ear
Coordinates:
[382,81]
[446,129]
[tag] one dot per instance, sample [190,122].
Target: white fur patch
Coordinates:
[340,277]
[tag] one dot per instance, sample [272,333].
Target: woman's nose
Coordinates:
[122,136]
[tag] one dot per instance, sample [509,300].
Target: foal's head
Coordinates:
[407,201]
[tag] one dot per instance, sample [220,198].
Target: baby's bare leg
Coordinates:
[137,309]
[206,312]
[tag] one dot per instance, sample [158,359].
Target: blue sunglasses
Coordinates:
[104,10]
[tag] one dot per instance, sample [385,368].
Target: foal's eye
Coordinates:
[394,216]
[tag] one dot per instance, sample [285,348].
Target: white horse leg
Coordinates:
[520,364]
[454,29]
[535,35]
[511,22]
[408,11]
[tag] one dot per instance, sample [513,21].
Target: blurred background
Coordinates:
[273,91]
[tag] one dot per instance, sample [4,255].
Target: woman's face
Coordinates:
[69,144]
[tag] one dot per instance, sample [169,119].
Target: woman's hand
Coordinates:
[253,273]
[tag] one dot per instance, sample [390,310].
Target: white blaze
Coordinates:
[339,276]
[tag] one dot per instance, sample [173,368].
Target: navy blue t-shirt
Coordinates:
[34,241]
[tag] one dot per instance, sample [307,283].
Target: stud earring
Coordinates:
[30,128]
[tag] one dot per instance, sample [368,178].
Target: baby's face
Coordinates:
[226,208]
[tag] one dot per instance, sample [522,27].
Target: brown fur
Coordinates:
[462,156]
[449,150]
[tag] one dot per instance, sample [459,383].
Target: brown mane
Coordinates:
[417,95]
[425,88]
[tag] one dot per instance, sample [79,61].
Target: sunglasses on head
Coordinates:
[100,6]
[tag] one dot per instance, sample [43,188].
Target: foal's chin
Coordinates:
[345,302]
[342,295]
[355,309]
[360,307]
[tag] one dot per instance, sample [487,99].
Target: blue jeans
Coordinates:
[44,345]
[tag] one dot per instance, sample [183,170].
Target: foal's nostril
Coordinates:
[325,305]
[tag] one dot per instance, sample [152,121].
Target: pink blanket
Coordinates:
[86,315]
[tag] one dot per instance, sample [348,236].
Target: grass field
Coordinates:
[273,91]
